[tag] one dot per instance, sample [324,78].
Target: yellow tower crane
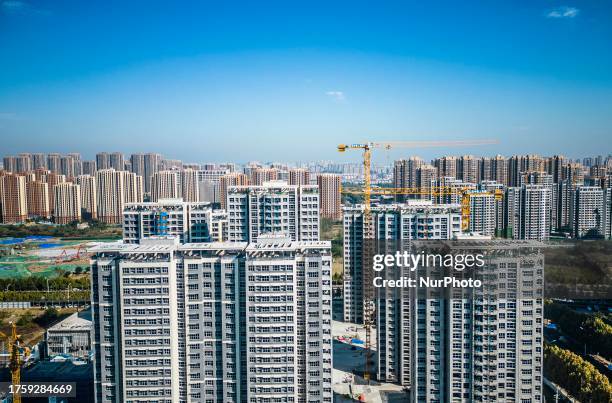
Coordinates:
[368,230]
[15,360]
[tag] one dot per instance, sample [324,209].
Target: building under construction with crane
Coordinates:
[357,279]
[443,349]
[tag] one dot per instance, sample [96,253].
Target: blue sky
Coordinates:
[287,81]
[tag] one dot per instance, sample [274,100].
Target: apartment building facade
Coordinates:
[212,322]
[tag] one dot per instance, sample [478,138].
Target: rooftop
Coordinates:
[76,321]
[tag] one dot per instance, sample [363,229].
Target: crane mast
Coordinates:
[15,360]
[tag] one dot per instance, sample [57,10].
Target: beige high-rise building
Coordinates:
[189,185]
[134,191]
[299,176]
[467,169]
[232,179]
[67,203]
[38,199]
[110,189]
[426,176]
[405,175]
[261,175]
[330,195]
[88,195]
[165,185]
[29,177]
[113,190]
[41,174]
[53,179]
[13,198]
[447,166]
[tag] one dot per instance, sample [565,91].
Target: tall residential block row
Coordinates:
[180,316]
[463,345]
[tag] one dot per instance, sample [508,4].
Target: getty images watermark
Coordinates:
[405,261]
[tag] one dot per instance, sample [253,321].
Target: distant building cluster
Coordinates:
[539,197]
[66,189]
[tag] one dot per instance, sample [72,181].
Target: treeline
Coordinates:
[579,377]
[42,296]
[38,283]
[96,229]
[588,329]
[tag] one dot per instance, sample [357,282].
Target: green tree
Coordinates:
[576,375]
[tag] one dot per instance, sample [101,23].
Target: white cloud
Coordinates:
[563,12]
[13,5]
[337,96]
[21,8]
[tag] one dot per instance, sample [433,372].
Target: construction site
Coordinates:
[42,256]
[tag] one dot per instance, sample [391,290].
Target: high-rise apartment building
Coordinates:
[212,322]
[137,164]
[152,163]
[482,344]
[110,191]
[165,185]
[89,196]
[426,178]
[103,160]
[24,162]
[330,194]
[412,220]
[527,211]
[446,166]
[274,207]
[67,203]
[589,212]
[483,207]
[88,167]
[13,198]
[39,160]
[53,163]
[260,175]
[495,187]
[38,199]
[53,179]
[299,176]
[189,185]
[405,175]
[191,222]
[67,167]
[467,169]
[574,173]
[562,204]
[9,163]
[116,161]
[133,187]
[209,183]
[232,179]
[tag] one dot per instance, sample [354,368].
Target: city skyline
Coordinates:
[285,80]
